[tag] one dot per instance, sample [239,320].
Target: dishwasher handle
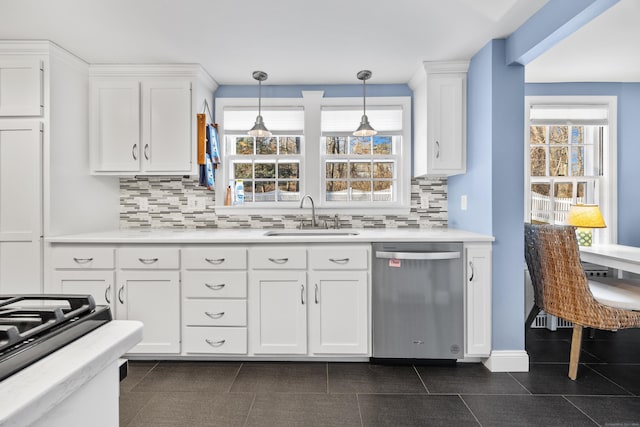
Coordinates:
[418,255]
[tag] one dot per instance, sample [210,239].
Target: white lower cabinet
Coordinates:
[278,306]
[478,300]
[99,284]
[152,297]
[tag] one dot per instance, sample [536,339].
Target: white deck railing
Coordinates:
[541,208]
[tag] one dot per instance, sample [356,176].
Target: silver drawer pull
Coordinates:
[279,260]
[148,260]
[473,272]
[418,342]
[339,261]
[215,343]
[214,315]
[215,287]
[82,260]
[214,261]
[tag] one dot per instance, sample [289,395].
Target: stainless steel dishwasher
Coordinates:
[418,306]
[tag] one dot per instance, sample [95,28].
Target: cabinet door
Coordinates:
[99,284]
[166,126]
[152,297]
[446,123]
[20,207]
[478,301]
[21,91]
[278,312]
[114,125]
[338,314]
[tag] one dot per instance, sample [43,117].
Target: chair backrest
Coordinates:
[553,259]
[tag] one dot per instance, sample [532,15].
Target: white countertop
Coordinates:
[258,236]
[34,391]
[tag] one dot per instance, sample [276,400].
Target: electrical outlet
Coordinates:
[424,201]
[463,202]
[143,204]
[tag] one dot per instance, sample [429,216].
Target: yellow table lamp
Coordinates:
[585,217]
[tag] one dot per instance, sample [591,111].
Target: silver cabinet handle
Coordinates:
[215,343]
[472,271]
[120,294]
[302,294]
[215,287]
[279,260]
[437,149]
[215,261]
[418,342]
[82,260]
[214,315]
[418,255]
[148,261]
[316,292]
[339,261]
[133,151]
[146,151]
[106,294]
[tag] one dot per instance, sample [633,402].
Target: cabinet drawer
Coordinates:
[339,258]
[278,258]
[214,284]
[83,257]
[149,258]
[215,340]
[211,312]
[216,258]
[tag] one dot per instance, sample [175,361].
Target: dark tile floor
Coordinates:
[194,394]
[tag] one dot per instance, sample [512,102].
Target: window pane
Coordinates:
[382,145]
[360,170]
[577,161]
[538,161]
[383,169]
[244,145]
[540,203]
[336,145]
[562,200]
[242,171]
[266,145]
[265,170]
[360,144]
[382,191]
[537,134]
[265,191]
[360,190]
[248,191]
[559,135]
[288,170]
[577,135]
[336,191]
[289,144]
[581,193]
[558,161]
[336,169]
[288,191]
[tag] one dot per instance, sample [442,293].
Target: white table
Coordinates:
[620,257]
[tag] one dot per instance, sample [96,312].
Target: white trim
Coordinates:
[609,186]
[507,361]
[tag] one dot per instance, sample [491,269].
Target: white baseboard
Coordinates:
[508,361]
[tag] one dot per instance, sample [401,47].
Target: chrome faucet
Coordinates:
[313,210]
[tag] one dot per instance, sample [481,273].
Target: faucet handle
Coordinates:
[336,222]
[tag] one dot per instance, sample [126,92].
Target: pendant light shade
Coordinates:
[259,129]
[365,129]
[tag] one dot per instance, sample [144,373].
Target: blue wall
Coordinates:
[628,145]
[495,183]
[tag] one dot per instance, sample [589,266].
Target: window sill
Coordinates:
[306,210]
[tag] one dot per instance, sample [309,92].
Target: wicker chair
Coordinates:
[561,287]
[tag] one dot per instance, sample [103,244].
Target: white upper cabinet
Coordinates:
[21,92]
[439,118]
[143,118]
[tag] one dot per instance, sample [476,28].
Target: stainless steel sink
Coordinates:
[312,232]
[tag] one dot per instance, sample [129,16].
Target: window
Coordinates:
[567,160]
[312,151]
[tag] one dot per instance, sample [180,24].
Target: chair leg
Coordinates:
[532,315]
[576,343]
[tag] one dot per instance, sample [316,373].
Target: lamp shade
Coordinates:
[585,216]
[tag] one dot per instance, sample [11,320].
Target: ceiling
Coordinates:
[295,41]
[604,50]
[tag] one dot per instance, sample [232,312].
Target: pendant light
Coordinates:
[259,129]
[365,128]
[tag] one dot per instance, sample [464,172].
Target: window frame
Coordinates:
[606,190]
[312,175]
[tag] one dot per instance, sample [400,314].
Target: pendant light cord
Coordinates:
[259,97]
[364,97]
